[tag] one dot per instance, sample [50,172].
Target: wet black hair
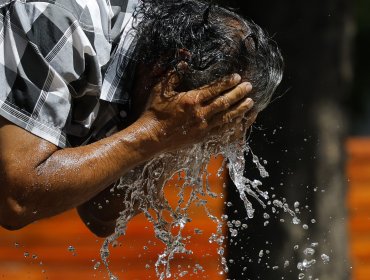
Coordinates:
[212,37]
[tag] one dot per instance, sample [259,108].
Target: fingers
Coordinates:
[227,100]
[251,118]
[236,129]
[173,80]
[216,89]
[236,112]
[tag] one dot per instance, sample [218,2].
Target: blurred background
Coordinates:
[313,138]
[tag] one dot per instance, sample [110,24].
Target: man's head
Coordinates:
[212,41]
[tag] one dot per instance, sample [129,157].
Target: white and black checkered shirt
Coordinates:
[59,59]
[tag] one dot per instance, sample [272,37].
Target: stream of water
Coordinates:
[142,189]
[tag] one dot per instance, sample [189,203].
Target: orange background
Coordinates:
[47,244]
[358,171]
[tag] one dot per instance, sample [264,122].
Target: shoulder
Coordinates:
[90,14]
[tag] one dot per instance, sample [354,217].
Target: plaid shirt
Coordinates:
[63,66]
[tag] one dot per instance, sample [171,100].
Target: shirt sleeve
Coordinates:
[47,61]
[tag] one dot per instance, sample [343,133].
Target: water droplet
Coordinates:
[183,273]
[296,221]
[314,244]
[72,250]
[309,251]
[96,265]
[307,264]
[325,258]
[234,232]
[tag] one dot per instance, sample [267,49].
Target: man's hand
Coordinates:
[177,119]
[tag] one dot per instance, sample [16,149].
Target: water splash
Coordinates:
[142,190]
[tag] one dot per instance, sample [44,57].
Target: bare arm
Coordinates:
[38,180]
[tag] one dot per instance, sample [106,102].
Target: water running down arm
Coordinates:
[40,180]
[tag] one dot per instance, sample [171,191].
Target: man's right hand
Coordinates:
[176,119]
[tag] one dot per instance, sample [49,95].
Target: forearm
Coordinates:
[57,180]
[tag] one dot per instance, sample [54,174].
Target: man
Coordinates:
[66,93]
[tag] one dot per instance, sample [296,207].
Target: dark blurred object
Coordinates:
[360,99]
[302,136]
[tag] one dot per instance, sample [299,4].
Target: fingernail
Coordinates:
[249,102]
[236,77]
[248,86]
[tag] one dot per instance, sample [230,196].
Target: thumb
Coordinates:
[171,81]
[173,77]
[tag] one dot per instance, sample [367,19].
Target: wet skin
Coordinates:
[39,180]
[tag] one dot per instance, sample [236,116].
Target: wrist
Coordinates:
[145,136]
